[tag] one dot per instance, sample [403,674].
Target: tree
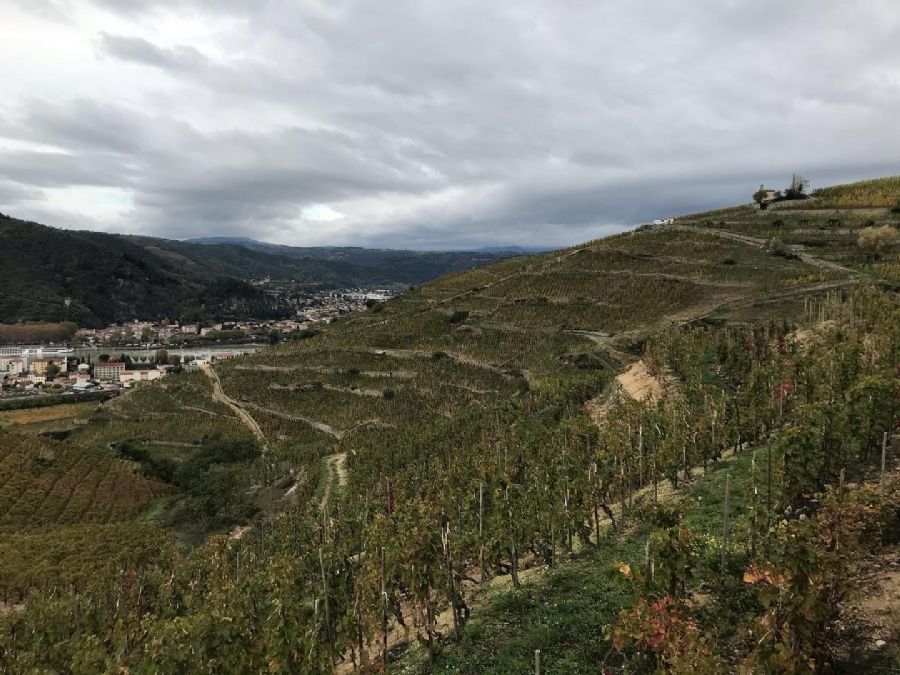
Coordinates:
[52,371]
[797,188]
[876,239]
[162,356]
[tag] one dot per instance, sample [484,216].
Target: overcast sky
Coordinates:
[425,124]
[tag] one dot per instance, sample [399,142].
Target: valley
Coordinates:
[549,452]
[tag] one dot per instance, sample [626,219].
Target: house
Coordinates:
[765,196]
[109,371]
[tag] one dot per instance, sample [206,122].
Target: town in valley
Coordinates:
[121,355]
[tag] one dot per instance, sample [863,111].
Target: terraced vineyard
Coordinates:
[49,483]
[474,428]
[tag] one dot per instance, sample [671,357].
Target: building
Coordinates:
[12,364]
[130,377]
[110,371]
[39,366]
[765,196]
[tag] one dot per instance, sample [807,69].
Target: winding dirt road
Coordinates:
[235,407]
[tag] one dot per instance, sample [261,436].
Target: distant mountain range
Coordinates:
[358,252]
[113,277]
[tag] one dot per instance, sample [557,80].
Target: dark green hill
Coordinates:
[109,278]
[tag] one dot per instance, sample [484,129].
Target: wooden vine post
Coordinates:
[325,593]
[753,509]
[481,531]
[640,455]
[451,581]
[384,613]
[725,523]
[768,488]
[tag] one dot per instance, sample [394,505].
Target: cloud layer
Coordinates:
[418,123]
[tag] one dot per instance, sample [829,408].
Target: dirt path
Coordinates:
[336,470]
[327,370]
[242,414]
[879,604]
[424,354]
[321,426]
[803,255]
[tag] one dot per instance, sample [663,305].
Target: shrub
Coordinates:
[876,239]
[779,248]
[458,316]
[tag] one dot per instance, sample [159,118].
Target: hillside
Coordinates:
[110,277]
[393,266]
[602,452]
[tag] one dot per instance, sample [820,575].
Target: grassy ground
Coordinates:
[50,418]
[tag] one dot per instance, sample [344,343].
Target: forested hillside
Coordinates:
[110,277]
[670,449]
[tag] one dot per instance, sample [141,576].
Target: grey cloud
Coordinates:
[442,124]
[51,169]
[144,52]
[11,193]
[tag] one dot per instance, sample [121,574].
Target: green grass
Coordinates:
[708,376]
[158,509]
[563,611]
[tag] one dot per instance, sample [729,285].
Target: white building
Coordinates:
[130,377]
[12,364]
